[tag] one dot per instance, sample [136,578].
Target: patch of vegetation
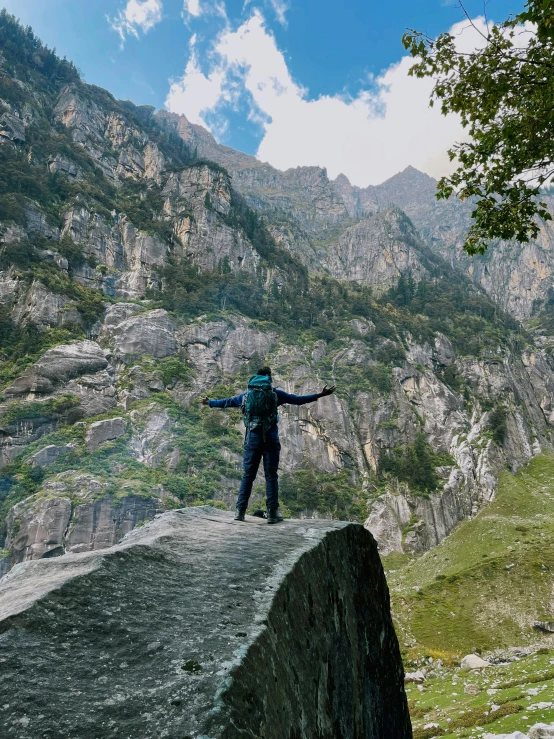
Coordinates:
[89,302]
[507,706]
[27,54]
[390,354]
[364,378]
[144,207]
[416,465]
[497,424]
[24,411]
[17,482]
[21,179]
[451,378]
[71,251]
[173,369]
[20,346]
[454,306]
[311,490]
[485,585]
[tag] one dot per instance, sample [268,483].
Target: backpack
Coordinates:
[259,405]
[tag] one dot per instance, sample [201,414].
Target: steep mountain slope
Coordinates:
[487,585]
[135,277]
[518,277]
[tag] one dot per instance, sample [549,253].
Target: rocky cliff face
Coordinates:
[378,250]
[517,276]
[176,652]
[350,434]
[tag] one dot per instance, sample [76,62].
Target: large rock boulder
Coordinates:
[150,333]
[197,626]
[59,365]
[49,454]
[541,731]
[102,431]
[473,662]
[75,512]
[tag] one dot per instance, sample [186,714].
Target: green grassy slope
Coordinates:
[498,700]
[486,584]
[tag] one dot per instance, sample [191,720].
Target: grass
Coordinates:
[500,701]
[486,584]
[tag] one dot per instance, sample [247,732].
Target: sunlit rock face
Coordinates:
[516,276]
[210,628]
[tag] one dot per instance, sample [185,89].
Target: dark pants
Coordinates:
[255,448]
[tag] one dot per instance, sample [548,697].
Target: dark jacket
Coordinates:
[282,399]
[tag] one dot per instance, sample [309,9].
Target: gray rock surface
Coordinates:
[547,626]
[473,662]
[198,626]
[152,439]
[61,164]
[11,129]
[58,366]
[44,308]
[48,455]
[538,731]
[98,524]
[36,529]
[377,250]
[102,431]
[541,731]
[150,333]
[75,512]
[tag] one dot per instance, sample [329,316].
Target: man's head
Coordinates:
[266,371]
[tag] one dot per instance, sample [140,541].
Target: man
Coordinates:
[259,408]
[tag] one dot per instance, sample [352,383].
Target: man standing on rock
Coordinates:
[259,411]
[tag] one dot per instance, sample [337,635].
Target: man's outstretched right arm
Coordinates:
[235,402]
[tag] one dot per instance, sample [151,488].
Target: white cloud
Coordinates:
[196,92]
[279,7]
[195,8]
[192,7]
[138,15]
[369,137]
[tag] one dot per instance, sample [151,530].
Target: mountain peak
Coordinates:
[342,180]
[410,175]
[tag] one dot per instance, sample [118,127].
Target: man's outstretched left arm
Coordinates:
[302,399]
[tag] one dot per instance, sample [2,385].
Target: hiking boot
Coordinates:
[239,514]
[274,516]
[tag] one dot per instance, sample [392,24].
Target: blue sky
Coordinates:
[294,81]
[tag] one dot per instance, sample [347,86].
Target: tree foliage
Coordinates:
[503,93]
[26,52]
[416,465]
